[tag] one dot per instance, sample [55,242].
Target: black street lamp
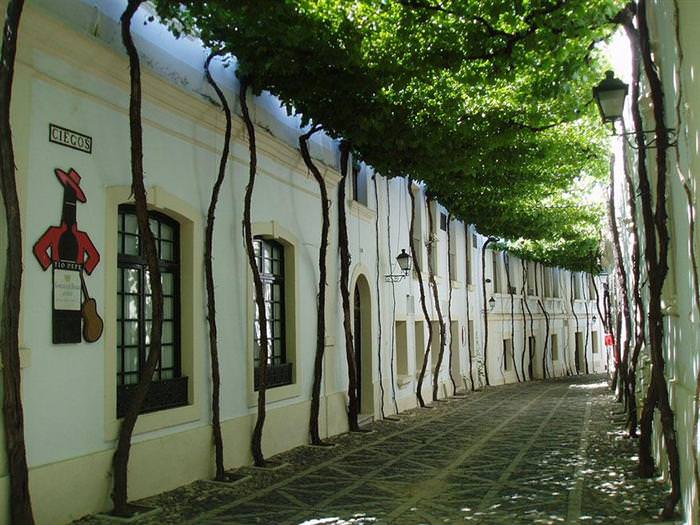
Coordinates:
[404,261]
[610,97]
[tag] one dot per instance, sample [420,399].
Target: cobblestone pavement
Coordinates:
[541,452]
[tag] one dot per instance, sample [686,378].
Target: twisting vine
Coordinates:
[209,278]
[426,315]
[436,298]
[13,413]
[393,299]
[379,295]
[256,436]
[322,284]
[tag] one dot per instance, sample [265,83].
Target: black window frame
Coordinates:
[164,393]
[443,221]
[279,368]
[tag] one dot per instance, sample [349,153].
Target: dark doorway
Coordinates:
[531,341]
[578,343]
[357,342]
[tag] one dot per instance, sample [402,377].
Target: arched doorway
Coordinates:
[362,341]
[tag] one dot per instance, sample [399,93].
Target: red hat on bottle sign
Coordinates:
[72,180]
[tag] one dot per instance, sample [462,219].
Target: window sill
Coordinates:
[278,393]
[361,211]
[156,420]
[403,380]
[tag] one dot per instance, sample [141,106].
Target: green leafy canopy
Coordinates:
[486,101]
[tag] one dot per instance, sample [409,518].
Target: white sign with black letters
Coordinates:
[70,139]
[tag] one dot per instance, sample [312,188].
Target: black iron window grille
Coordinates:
[269,256]
[134,313]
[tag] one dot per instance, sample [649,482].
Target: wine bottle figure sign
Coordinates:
[70,252]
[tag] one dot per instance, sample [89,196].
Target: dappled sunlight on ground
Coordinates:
[545,452]
[591,386]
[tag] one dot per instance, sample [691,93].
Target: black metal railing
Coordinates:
[168,393]
[277,375]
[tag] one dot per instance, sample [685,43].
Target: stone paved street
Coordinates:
[541,452]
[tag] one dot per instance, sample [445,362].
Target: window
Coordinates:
[495,273]
[555,348]
[507,345]
[470,337]
[443,221]
[452,248]
[530,278]
[401,348]
[547,281]
[359,184]
[417,239]
[468,258]
[555,282]
[594,342]
[269,256]
[434,344]
[578,292]
[134,311]
[510,275]
[434,239]
[419,344]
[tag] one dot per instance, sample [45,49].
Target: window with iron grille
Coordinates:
[134,312]
[468,257]
[269,256]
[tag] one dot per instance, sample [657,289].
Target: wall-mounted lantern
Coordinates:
[404,261]
[610,96]
[492,304]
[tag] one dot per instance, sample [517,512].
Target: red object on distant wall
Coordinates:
[609,340]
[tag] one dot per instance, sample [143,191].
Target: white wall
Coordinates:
[78,79]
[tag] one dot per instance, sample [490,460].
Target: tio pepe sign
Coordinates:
[70,139]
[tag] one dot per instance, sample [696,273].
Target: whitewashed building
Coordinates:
[70,111]
[675,44]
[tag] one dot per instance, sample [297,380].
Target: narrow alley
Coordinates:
[540,452]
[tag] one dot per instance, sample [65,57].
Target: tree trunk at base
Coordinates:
[436,299]
[655,227]
[469,344]
[416,267]
[13,413]
[639,324]
[393,298]
[622,367]
[540,303]
[532,321]
[379,295]
[617,380]
[511,292]
[585,343]
[646,421]
[209,276]
[525,342]
[577,364]
[449,302]
[321,307]
[523,303]
[120,460]
[256,437]
[344,252]
[486,307]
